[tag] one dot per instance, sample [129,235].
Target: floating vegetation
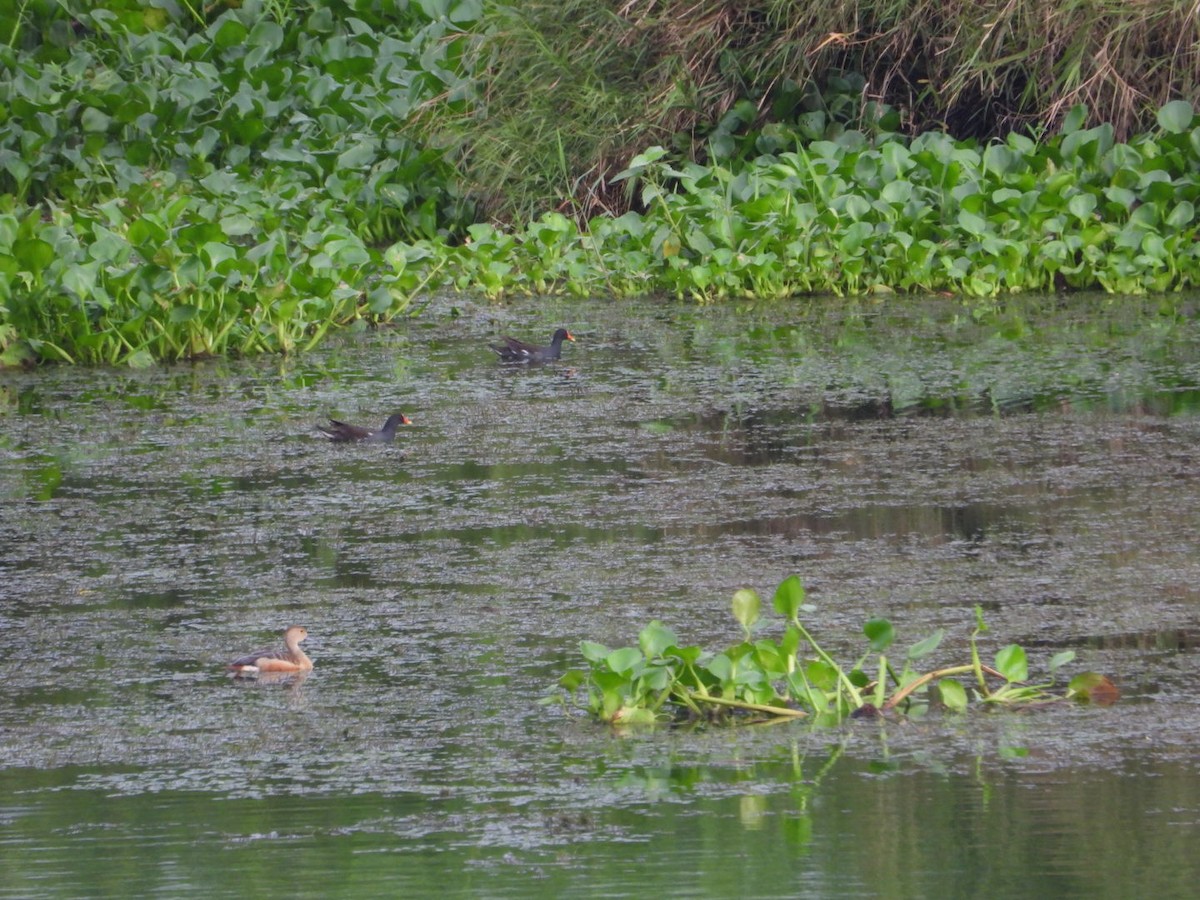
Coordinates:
[794,677]
[854,214]
[170,194]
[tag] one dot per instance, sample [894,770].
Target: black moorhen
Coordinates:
[342,432]
[513,350]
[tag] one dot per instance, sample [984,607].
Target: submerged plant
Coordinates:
[795,677]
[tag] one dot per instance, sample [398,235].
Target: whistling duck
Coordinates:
[290,659]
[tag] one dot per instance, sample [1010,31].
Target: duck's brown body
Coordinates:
[290,659]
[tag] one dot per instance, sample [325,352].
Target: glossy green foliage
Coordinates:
[854,214]
[793,677]
[170,189]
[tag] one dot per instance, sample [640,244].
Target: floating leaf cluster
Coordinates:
[760,679]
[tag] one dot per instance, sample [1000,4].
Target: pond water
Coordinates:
[1041,459]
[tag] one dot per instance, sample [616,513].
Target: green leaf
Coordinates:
[687,654]
[880,633]
[572,679]
[924,648]
[592,651]
[362,153]
[1011,663]
[1082,205]
[624,661]
[972,224]
[953,695]
[33,254]
[721,667]
[1182,215]
[656,638]
[789,597]
[1075,119]
[1176,117]
[821,674]
[227,32]
[746,607]
[1058,660]
[94,120]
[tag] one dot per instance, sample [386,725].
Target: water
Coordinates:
[1038,460]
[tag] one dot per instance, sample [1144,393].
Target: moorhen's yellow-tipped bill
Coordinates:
[290,659]
[513,350]
[342,432]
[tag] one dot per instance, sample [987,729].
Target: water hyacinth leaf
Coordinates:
[1058,660]
[359,155]
[1012,664]
[789,597]
[182,312]
[81,280]
[790,642]
[686,654]
[923,648]
[746,607]
[572,679]
[897,191]
[721,668]
[1082,205]
[94,120]
[1000,159]
[217,252]
[227,32]
[972,224]
[1121,196]
[953,695]
[624,661]
[144,232]
[880,633]
[656,638]
[1182,215]
[1175,117]
[656,678]
[33,254]
[592,651]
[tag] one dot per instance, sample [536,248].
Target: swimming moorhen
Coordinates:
[290,659]
[513,350]
[341,432]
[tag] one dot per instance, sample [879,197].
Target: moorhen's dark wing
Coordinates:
[344,432]
[513,350]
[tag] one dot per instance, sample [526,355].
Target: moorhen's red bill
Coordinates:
[343,433]
[513,350]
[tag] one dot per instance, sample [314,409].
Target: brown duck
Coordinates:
[290,659]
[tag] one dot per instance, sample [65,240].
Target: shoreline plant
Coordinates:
[794,677]
[855,214]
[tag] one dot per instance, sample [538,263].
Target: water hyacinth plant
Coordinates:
[855,214]
[171,190]
[761,679]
